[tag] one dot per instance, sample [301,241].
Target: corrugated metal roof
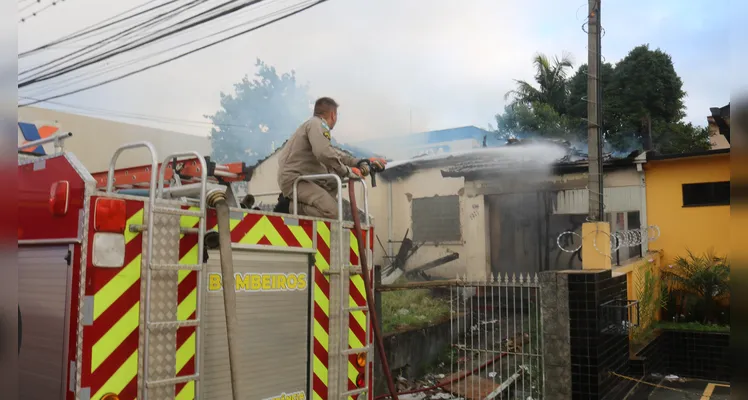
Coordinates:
[488,160]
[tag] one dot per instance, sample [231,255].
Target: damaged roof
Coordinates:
[487,161]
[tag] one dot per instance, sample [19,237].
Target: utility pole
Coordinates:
[595,233]
[594,114]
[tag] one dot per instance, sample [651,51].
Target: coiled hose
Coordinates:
[217,199]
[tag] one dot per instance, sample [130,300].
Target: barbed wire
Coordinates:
[618,239]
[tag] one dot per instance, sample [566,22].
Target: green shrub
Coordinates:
[409,309]
[700,282]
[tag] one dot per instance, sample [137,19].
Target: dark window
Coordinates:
[436,219]
[634,222]
[706,194]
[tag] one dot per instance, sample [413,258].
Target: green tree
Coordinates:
[641,87]
[524,119]
[261,114]
[550,77]
[577,110]
[679,137]
[646,84]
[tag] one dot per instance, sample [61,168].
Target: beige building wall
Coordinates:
[425,183]
[717,140]
[95,140]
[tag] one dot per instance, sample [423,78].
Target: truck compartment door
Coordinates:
[272,300]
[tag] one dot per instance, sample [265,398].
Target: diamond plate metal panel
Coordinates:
[82,294]
[162,305]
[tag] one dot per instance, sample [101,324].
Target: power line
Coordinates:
[138,116]
[35,2]
[316,3]
[91,47]
[35,13]
[123,48]
[93,28]
[90,74]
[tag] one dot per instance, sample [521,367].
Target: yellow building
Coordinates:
[688,198]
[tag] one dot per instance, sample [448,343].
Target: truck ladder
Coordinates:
[188,170]
[343,272]
[159,369]
[346,311]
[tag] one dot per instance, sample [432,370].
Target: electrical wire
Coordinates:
[35,13]
[124,48]
[95,111]
[316,3]
[30,5]
[90,48]
[91,74]
[94,28]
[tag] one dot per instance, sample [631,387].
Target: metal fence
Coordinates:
[500,355]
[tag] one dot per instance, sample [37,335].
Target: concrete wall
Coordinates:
[95,140]
[425,183]
[687,228]
[716,139]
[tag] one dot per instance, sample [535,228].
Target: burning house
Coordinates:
[501,209]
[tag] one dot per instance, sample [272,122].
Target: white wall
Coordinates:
[95,140]
[425,183]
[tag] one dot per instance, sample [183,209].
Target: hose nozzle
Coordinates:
[215,196]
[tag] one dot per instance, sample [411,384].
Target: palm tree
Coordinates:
[551,80]
[705,279]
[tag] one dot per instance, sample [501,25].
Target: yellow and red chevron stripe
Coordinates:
[110,343]
[357,321]
[252,229]
[321,328]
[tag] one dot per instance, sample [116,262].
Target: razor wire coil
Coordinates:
[618,239]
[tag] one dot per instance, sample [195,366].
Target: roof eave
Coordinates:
[706,153]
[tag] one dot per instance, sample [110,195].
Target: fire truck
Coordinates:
[121,292]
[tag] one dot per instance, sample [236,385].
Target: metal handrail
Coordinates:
[162,171]
[366,199]
[340,195]
[58,138]
[309,178]
[113,164]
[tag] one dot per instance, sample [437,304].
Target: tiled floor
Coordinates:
[691,390]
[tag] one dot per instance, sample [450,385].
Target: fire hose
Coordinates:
[217,199]
[367,283]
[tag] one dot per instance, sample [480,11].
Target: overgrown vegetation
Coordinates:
[699,286]
[411,309]
[652,297]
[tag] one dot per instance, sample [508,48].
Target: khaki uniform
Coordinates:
[309,151]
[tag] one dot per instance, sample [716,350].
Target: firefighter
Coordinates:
[309,151]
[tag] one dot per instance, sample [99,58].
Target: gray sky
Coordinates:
[448,63]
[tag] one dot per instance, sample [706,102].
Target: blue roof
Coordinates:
[430,137]
[408,146]
[357,151]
